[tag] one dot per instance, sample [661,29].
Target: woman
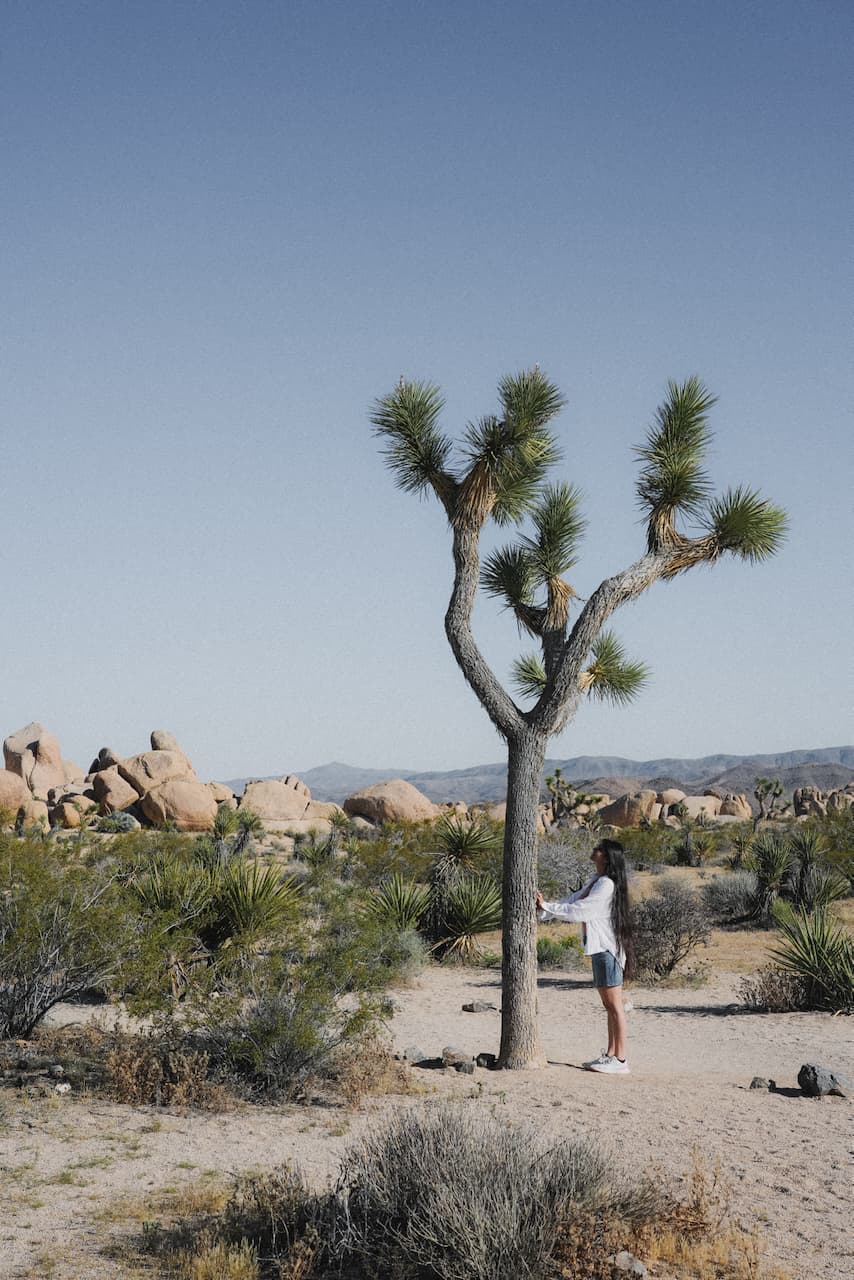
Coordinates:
[602,909]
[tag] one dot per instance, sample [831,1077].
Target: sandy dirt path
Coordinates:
[65,1162]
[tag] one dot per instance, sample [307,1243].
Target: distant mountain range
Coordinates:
[826,768]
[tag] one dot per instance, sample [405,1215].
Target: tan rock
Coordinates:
[34,755]
[105,759]
[14,792]
[736,806]
[295,784]
[112,791]
[324,809]
[809,800]
[392,801]
[69,811]
[152,768]
[695,805]
[628,810]
[36,811]
[163,740]
[73,772]
[276,801]
[184,802]
[655,812]
[672,795]
[839,800]
[222,794]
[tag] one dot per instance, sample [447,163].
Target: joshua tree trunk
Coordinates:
[520,1036]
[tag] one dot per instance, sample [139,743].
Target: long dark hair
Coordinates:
[621,922]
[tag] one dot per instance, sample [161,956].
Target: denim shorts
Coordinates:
[607,970]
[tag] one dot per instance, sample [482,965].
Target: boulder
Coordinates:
[695,805]
[629,810]
[222,794]
[839,800]
[112,791]
[299,826]
[392,801]
[73,772]
[35,811]
[672,795]
[105,759]
[34,755]
[808,801]
[184,802]
[14,792]
[70,810]
[153,768]
[163,740]
[736,806]
[276,801]
[323,809]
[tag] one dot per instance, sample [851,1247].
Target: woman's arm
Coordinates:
[596,906]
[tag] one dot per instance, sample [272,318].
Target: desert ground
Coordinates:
[79,1175]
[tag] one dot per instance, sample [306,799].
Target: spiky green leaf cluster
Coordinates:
[515,573]
[672,479]
[473,906]
[819,952]
[746,524]
[398,902]
[415,449]
[610,675]
[529,676]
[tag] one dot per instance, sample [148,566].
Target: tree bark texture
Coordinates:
[520,1035]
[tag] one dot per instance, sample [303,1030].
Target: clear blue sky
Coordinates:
[228,227]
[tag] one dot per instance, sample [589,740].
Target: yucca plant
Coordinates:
[399,902]
[247,903]
[771,860]
[473,906]
[821,954]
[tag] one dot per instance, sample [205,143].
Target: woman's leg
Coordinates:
[612,999]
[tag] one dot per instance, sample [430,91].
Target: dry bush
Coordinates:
[697,1237]
[369,1067]
[212,1259]
[773,990]
[150,1070]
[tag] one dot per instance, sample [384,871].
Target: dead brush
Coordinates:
[143,1070]
[369,1068]
[696,1237]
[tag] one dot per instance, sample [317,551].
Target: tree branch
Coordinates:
[497,703]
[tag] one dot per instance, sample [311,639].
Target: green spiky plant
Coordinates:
[399,902]
[821,954]
[500,473]
[472,907]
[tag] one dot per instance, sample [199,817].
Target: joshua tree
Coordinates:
[768,791]
[501,475]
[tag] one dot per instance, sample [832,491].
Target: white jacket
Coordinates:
[594,912]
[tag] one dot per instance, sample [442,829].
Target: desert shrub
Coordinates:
[399,903]
[731,898]
[65,929]
[558,953]
[821,955]
[773,990]
[412,1201]
[161,1068]
[667,927]
[650,845]
[470,907]
[695,844]
[564,862]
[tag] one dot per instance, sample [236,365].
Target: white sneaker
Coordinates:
[597,1062]
[610,1066]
